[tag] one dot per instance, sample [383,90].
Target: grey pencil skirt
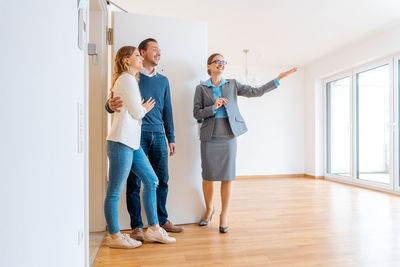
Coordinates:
[218,159]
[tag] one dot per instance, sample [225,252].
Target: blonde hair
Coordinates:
[119,64]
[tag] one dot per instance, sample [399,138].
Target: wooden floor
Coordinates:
[284,222]
[95,241]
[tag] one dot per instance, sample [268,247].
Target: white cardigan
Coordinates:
[126,124]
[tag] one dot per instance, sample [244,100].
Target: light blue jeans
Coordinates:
[124,159]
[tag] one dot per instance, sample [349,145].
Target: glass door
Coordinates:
[338,128]
[374,125]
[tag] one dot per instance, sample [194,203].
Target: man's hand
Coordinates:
[115,103]
[172,149]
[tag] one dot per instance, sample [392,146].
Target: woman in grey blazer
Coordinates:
[216,108]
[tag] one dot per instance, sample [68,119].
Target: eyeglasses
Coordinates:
[223,62]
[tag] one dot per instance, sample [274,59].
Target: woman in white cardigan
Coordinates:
[125,154]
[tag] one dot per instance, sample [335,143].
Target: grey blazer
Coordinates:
[204,101]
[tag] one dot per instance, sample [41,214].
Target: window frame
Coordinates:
[396,141]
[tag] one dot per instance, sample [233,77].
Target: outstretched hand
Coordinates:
[286,73]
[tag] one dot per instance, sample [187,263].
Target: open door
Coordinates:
[183,46]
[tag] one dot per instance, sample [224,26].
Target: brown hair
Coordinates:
[210,60]
[119,64]
[143,44]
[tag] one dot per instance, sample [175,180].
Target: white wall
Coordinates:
[373,47]
[42,175]
[274,143]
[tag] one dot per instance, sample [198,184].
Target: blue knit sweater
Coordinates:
[160,117]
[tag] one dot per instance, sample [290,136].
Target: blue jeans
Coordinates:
[124,160]
[155,147]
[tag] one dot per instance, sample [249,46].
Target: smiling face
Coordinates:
[135,61]
[152,53]
[216,66]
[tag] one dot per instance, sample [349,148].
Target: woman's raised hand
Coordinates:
[149,104]
[219,102]
[286,73]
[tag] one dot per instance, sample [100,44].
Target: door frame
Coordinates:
[396,102]
[394,186]
[98,84]
[366,67]
[336,77]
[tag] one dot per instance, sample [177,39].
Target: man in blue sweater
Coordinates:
[157,124]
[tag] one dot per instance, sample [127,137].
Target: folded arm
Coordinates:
[200,112]
[132,99]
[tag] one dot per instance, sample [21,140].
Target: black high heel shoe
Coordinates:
[223,230]
[205,223]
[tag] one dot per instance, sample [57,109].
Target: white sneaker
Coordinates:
[132,241]
[159,235]
[124,241]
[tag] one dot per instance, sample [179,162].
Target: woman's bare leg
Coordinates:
[208,191]
[226,192]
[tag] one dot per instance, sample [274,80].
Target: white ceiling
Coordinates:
[277,32]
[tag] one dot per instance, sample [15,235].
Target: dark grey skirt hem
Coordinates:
[218,159]
[219,180]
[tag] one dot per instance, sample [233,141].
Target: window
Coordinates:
[360,126]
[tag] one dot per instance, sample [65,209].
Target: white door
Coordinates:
[183,46]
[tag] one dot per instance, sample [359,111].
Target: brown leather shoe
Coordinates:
[170,227]
[137,234]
